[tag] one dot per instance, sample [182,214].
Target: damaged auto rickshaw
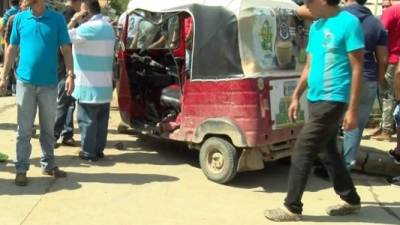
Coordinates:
[217,75]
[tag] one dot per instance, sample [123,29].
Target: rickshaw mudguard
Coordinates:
[250,158]
[220,127]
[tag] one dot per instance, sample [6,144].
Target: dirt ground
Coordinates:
[147,181]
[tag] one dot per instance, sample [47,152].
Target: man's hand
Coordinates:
[80,15]
[350,121]
[293,110]
[77,18]
[69,85]
[3,85]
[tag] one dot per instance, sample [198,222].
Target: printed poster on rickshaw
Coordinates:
[274,41]
[281,93]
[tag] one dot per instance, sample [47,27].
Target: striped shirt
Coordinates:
[93,53]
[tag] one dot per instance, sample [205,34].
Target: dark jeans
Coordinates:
[318,137]
[93,124]
[64,125]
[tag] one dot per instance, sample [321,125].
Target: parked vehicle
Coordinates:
[224,92]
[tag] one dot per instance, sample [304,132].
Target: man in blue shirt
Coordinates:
[375,64]
[37,33]
[333,75]
[14,9]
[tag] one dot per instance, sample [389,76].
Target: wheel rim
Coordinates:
[215,161]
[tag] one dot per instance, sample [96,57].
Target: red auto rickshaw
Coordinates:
[226,90]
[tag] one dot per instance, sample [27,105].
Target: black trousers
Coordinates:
[318,137]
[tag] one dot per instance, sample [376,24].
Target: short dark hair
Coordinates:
[93,6]
[361,2]
[333,2]
[14,2]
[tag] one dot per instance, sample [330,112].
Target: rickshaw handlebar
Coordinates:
[147,60]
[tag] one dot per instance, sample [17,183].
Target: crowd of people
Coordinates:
[81,43]
[360,56]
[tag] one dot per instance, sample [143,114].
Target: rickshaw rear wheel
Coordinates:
[218,160]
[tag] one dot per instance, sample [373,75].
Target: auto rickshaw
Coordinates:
[226,90]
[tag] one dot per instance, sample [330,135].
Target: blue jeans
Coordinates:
[64,125]
[396,115]
[352,138]
[29,99]
[93,124]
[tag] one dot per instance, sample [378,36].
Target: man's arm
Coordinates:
[305,13]
[381,55]
[78,17]
[298,92]
[67,53]
[397,83]
[159,43]
[9,59]
[351,117]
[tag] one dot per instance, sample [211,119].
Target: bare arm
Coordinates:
[381,55]
[397,83]
[351,117]
[9,59]
[299,90]
[305,13]
[159,43]
[72,23]
[302,85]
[78,17]
[69,83]
[67,53]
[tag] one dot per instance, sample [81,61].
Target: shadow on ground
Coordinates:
[8,126]
[43,185]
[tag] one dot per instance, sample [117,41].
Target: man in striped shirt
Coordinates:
[93,51]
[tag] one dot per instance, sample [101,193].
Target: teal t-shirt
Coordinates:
[330,41]
[39,39]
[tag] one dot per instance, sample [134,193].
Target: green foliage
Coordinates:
[119,5]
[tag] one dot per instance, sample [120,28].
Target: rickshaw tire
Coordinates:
[230,159]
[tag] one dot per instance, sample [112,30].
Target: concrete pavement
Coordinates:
[155,182]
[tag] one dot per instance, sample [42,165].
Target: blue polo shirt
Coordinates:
[330,42]
[39,39]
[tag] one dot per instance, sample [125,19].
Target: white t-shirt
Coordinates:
[132,23]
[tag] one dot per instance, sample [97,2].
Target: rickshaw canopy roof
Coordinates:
[216,48]
[173,5]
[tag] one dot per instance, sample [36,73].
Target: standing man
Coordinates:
[334,64]
[93,52]
[375,65]
[37,33]
[391,21]
[64,125]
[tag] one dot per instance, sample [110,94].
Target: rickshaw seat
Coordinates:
[171,97]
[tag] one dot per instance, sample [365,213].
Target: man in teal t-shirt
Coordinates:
[333,75]
[37,34]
